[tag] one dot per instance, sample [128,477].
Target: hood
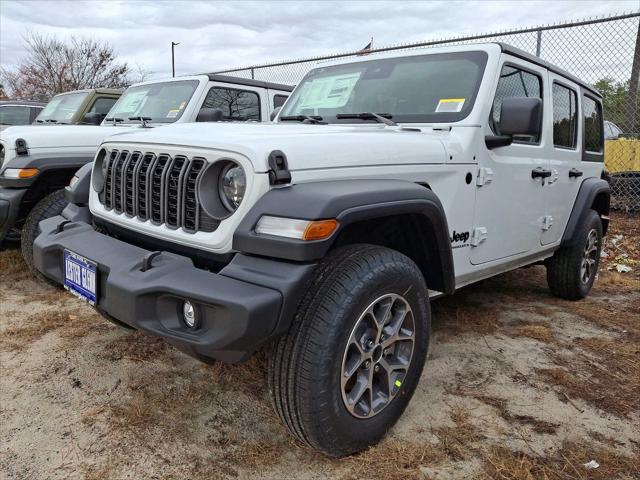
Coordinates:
[61,136]
[306,146]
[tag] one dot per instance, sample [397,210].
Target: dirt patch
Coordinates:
[519,385]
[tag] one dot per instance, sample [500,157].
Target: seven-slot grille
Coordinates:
[156,187]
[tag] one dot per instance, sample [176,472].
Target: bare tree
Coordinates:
[53,66]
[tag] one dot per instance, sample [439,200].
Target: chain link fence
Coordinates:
[603,51]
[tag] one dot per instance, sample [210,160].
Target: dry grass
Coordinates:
[565,464]
[537,331]
[69,326]
[12,266]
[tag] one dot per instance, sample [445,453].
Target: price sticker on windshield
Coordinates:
[450,105]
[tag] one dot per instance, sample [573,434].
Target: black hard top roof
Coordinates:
[248,81]
[516,52]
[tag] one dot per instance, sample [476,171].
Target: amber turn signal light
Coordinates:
[320,229]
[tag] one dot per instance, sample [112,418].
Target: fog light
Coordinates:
[189,315]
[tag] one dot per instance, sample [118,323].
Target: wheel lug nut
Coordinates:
[387,352]
[369,343]
[367,364]
[376,368]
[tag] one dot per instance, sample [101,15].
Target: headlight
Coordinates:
[232,185]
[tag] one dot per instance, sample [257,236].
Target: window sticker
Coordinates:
[131,102]
[173,113]
[182,105]
[329,92]
[450,105]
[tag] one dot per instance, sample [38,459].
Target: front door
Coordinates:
[509,200]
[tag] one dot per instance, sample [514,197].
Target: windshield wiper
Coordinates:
[379,117]
[317,119]
[39,121]
[51,120]
[142,120]
[114,120]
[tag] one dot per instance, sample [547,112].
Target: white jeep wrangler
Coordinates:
[385,181]
[37,162]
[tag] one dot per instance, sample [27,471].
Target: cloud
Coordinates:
[215,35]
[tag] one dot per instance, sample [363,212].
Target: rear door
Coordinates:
[509,200]
[561,189]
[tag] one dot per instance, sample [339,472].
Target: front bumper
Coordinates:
[237,311]
[10,201]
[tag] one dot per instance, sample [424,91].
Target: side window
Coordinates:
[515,82]
[278,100]
[592,114]
[565,117]
[102,105]
[14,115]
[35,111]
[235,104]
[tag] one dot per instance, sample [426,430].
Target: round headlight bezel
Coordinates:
[98,173]
[230,204]
[210,194]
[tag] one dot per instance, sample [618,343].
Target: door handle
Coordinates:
[575,173]
[540,172]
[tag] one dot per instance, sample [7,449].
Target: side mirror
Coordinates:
[92,119]
[209,115]
[518,116]
[521,116]
[274,113]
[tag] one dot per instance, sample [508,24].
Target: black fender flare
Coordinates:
[590,189]
[348,201]
[78,193]
[44,163]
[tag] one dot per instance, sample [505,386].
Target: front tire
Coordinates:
[572,270]
[351,361]
[48,207]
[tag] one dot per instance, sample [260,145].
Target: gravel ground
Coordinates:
[519,385]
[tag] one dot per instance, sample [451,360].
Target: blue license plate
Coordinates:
[80,275]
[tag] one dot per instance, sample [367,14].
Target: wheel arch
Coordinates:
[393,213]
[594,194]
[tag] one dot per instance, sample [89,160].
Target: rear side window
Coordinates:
[592,114]
[278,100]
[239,105]
[15,115]
[565,117]
[102,105]
[515,82]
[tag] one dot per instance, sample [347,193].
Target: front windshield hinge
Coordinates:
[278,168]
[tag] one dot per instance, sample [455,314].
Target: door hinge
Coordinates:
[547,222]
[485,175]
[478,236]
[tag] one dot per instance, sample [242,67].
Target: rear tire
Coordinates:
[572,270]
[48,207]
[364,304]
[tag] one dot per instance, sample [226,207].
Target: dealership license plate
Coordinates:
[80,275]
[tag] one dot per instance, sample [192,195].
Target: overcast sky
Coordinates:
[214,35]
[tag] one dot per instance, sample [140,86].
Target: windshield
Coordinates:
[424,89]
[62,108]
[161,102]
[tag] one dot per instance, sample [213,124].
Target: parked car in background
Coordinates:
[384,182]
[611,131]
[83,107]
[18,112]
[622,164]
[37,162]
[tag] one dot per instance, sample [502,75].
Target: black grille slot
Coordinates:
[142,175]
[190,206]
[128,188]
[108,198]
[157,188]
[118,167]
[173,190]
